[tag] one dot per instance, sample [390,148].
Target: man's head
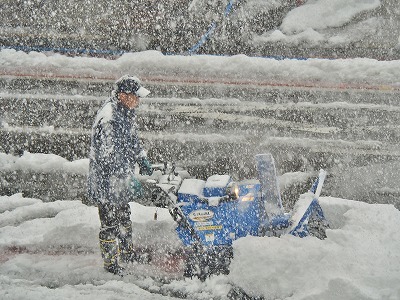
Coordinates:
[129,89]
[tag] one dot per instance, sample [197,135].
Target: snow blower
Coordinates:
[211,214]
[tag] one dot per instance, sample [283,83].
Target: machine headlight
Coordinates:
[232,190]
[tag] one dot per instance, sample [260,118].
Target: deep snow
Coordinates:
[56,255]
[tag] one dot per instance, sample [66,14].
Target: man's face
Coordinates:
[129,100]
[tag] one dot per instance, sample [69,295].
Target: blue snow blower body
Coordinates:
[219,216]
[220,211]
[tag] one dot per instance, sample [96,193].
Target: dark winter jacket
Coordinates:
[115,149]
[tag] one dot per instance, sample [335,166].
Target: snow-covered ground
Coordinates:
[50,251]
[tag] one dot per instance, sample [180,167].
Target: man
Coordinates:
[115,149]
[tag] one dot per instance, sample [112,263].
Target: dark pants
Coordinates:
[116,226]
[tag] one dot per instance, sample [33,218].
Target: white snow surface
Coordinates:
[42,162]
[356,261]
[60,258]
[321,14]
[154,66]
[336,23]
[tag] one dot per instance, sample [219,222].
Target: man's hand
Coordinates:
[136,188]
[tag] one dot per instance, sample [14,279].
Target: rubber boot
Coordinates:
[109,252]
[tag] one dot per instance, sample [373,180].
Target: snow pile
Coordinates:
[42,162]
[324,14]
[50,250]
[154,66]
[358,260]
[337,23]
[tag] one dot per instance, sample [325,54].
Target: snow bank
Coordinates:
[154,66]
[358,259]
[42,162]
[321,14]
